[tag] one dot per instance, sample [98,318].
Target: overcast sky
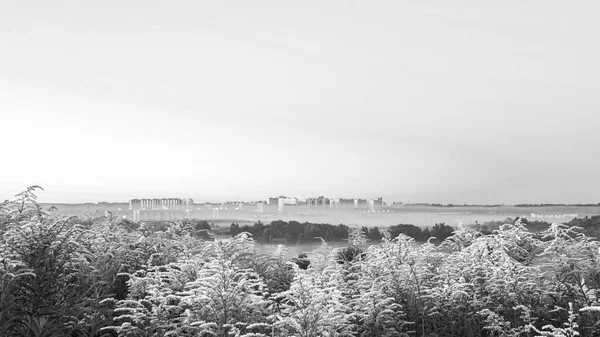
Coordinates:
[444,101]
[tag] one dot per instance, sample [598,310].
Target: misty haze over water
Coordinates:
[418,215]
[424,216]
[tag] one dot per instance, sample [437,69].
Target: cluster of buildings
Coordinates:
[171,209]
[166,209]
[160,204]
[284,200]
[322,202]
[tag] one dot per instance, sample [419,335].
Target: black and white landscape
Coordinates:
[299,168]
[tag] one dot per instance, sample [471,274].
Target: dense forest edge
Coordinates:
[67,276]
[294,232]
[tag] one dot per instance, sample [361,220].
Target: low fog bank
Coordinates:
[427,216]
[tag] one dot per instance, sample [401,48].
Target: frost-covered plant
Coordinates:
[211,293]
[462,238]
[47,270]
[225,296]
[314,305]
[569,329]
[107,276]
[373,311]
[485,278]
[153,304]
[570,256]
[520,244]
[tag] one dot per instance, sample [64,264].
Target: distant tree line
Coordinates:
[294,232]
[199,229]
[463,205]
[590,226]
[554,205]
[440,231]
[489,227]
[501,205]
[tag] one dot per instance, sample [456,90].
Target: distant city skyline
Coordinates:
[443,102]
[286,200]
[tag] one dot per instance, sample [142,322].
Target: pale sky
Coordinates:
[437,101]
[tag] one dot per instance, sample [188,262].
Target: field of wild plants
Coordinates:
[74,277]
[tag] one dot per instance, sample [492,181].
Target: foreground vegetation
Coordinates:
[68,277]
